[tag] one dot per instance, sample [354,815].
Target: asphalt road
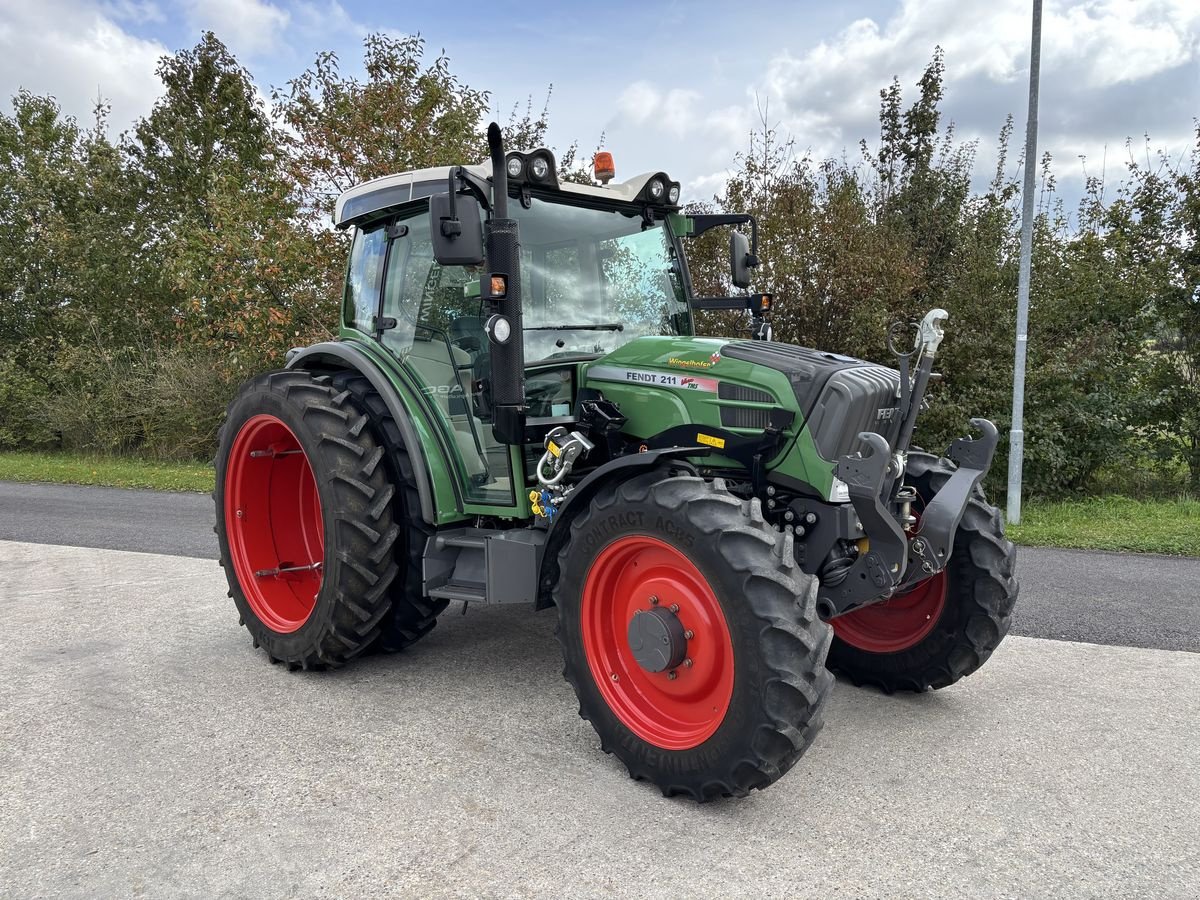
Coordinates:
[1102,598]
[148,750]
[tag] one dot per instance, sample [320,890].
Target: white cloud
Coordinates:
[248,27]
[1110,68]
[74,51]
[325,19]
[139,12]
[673,111]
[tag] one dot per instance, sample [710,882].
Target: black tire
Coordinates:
[779,644]
[413,615]
[980,594]
[355,514]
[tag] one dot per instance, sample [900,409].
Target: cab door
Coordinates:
[430,322]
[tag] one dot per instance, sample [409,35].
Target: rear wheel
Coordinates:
[304,520]
[684,640]
[946,627]
[413,615]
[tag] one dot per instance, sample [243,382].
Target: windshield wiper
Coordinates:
[599,326]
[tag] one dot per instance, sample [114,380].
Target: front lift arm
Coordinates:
[889,559]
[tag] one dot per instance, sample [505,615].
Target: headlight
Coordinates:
[515,167]
[839,491]
[673,194]
[539,168]
[499,328]
[656,189]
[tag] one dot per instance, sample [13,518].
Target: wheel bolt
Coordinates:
[674,607]
[672,675]
[653,600]
[688,635]
[616,677]
[688,662]
[240,514]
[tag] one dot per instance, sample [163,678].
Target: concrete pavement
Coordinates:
[1133,600]
[148,751]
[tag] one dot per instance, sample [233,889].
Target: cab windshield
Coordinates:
[594,279]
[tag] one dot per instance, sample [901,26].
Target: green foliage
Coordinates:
[407,114]
[123,472]
[1114,343]
[1112,523]
[141,279]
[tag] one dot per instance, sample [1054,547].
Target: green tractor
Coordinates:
[516,410]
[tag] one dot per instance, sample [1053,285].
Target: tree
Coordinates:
[1169,200]
[208,123]
[406,115]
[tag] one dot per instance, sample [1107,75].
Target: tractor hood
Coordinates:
[661,382]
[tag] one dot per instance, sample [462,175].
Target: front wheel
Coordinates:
[945,627]
[690,636]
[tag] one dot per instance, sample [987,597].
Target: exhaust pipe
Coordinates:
[504,323]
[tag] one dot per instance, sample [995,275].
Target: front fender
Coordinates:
[619,469]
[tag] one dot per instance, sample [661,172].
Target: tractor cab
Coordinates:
[601,266]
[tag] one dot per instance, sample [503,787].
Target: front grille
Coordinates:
[727,390]
[852,402]
[745,417]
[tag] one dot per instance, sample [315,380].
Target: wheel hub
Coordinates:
[671,708]
[656,639]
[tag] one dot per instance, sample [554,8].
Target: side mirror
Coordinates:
[454,227]
[739,259]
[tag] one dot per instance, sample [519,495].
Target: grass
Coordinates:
[1113,523]
[62,468]
[1100,523]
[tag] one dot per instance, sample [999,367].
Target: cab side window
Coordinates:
[364,275]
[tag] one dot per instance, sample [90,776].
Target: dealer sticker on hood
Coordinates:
[654,379]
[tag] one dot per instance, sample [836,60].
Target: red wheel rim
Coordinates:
[672,713]
[897,623]
[273,523]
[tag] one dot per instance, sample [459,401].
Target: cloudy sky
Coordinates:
[677,85]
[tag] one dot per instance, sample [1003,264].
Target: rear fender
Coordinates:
[343,355]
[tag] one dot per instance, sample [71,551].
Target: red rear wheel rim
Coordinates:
[672,713]
[272,522]
[898,623]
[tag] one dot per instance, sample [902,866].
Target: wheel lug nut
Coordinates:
[688,662]
[674,607]
[672,675]
[688,635]
[616,677]
[653,600]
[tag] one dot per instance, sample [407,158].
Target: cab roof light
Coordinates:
[602,164]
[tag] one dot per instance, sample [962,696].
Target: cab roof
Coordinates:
[362,200]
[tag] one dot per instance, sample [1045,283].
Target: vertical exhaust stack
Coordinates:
[505,334]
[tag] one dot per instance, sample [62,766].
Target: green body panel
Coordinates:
[659,382]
